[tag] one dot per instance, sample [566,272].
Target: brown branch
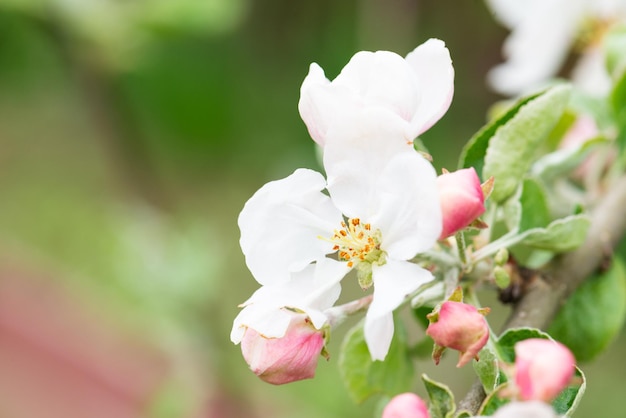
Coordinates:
[553,285]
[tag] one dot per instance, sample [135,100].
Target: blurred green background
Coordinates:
[131,134]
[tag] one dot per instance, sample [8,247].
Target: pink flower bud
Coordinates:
[406,405]
[287,359]
[462,199]
[543,368]
[458,326]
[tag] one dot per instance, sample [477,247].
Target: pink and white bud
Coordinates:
[287,359]
[462,199]
[458,326]
[543,368]
[406,405]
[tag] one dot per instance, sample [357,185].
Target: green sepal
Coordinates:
[441,398]
[594,315]
[365,377]
[568,400]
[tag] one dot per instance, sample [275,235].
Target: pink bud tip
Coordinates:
[462,200]
[406,405]
[543,368]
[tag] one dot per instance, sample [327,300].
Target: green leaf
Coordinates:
[473,154]
[464,414]
[534,208]
[563,161]
[441,398]
[561,235]
[569,399]
[364,377]
[618,104]
[514,144]
[506,342]
[494,401]
[487,369]
[593,316]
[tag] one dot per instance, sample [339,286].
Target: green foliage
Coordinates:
[365,377]
[563,161]
[569,399]
[593,316]
[441,398]
[473,153]
[561,235]
[514,144]
[534,208]
[506,342]
[487,369]
[494,400]
[618,105]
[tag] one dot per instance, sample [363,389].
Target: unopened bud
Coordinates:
[458,326]
[406,405]
[502,277]
[287,359]
[462,200]
[501,257]
[543,368]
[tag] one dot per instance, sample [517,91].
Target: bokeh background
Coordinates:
[131,134]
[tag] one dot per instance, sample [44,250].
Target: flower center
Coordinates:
[357,244]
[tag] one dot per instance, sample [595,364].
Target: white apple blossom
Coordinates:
[380,209]
[416,90]
[544,32]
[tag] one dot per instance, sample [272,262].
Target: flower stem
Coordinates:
[338,314]
[460,244]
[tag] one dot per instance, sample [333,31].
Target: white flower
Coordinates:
[380,210]
[416,90]
[544,32]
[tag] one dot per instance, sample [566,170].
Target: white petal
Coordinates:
[384,79]
[433,66]
[281,225]
[319,103]
[511,12]
[393,282]
[311,290]
[355,155]
[409,212]
[378,335]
